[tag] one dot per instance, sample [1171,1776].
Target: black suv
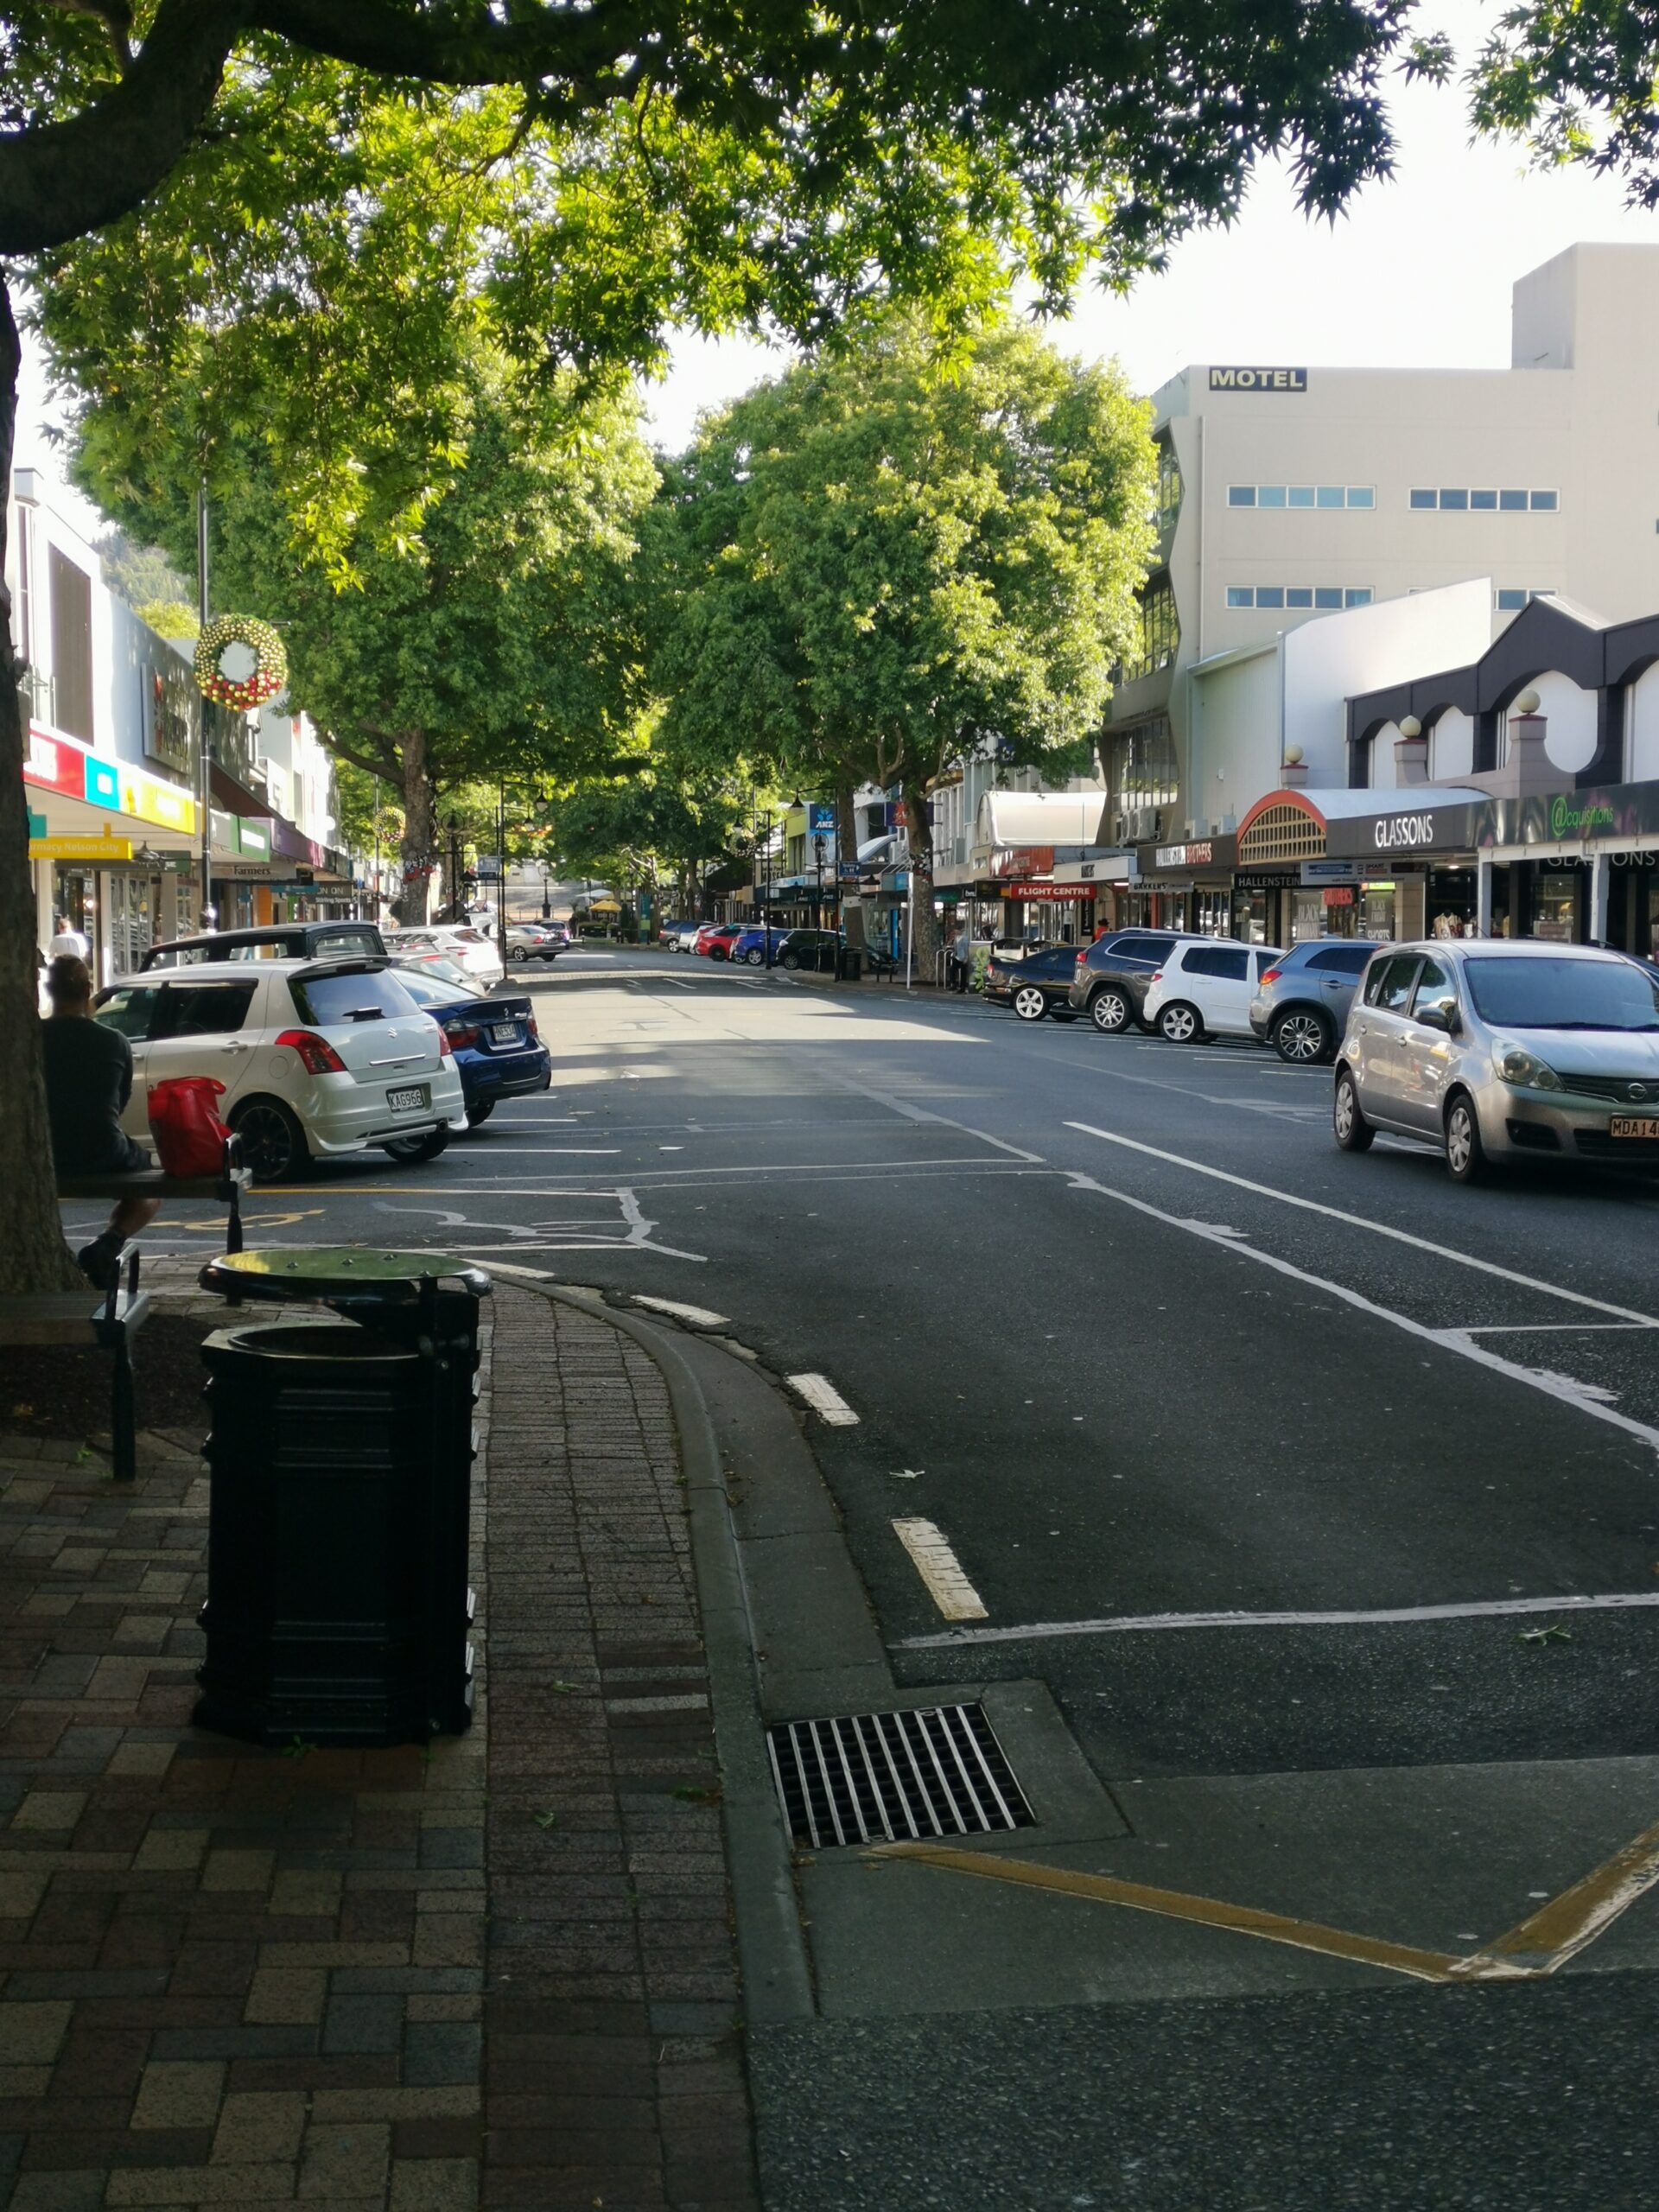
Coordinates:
[1111,984]
[278,940]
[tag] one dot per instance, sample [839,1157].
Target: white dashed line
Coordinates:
[699,1316]
[934,1560]
[820,1393]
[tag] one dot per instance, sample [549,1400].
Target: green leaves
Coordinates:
[877,562]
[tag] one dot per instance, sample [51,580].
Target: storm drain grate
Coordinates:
[882,1777]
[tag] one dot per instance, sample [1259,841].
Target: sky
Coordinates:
[1418,274]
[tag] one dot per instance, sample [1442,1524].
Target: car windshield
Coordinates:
[1563,993]
[333,1000]
[427,989]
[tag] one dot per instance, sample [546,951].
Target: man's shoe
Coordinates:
[100,1261]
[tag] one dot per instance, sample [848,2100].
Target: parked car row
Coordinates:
[1488,1050]
[327,1043]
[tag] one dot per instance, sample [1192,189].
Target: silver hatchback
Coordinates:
[1494,1050]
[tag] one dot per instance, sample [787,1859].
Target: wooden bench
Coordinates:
[226,1187]
[68,1320]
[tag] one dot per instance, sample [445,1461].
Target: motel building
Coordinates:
[1293,497]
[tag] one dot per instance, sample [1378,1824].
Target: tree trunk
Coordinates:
[925,946]
[852,906]
[418,847]
[33,1254]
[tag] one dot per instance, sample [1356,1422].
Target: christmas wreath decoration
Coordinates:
[270,662]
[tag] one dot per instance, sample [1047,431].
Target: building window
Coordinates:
[71,595]
[1456,500]
[1510,600]
[1301,496]
[1142,775]
[1169,484]
[1316,596]
[1160,632]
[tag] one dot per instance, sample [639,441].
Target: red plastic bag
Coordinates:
[184,1121]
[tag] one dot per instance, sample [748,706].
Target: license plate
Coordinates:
[409,1100]
[504,1033]
[1635,1125]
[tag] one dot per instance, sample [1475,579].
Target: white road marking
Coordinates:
[573,1235]
[559,1151]
[1376,1228]
[820,1393]
[1115,1624]
[699,1316]
[923,1114]
[934,1560]
[1138,1623]
[1585,1398]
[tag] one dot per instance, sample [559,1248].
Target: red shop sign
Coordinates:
[1070,893]
[1339,896]
[58,767]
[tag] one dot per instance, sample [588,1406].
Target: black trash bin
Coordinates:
[340,1454]
[850,966]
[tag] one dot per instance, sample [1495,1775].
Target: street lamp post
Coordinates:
[817,888]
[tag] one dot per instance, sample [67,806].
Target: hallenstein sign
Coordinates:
[1237,379]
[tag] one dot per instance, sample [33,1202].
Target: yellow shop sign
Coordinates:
[80,849]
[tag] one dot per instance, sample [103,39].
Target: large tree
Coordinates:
[497,641]
[877,566]
[712,160]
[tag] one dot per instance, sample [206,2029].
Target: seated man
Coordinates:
[88,1083]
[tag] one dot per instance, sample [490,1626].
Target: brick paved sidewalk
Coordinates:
[497,1971]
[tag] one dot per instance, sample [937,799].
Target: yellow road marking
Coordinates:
[1173,1905]
[1537,1946]
[1558,1931]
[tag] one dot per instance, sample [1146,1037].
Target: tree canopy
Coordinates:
[871,568]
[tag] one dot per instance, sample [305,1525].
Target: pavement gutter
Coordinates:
[771,1946]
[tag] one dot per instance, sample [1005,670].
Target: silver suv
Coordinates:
[1500,1051]
[1301,1008]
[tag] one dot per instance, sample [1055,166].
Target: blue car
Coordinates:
[498,1053]
[750,945]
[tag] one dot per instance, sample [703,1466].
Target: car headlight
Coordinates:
[1524,1070]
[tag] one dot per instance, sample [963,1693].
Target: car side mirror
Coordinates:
[1441,1017]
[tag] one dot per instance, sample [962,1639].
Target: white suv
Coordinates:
[1205,987]
[458,941]
[317,1058]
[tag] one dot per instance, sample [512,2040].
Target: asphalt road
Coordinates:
[1122,1323]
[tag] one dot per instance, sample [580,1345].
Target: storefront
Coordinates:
[109,847]
[1188,886]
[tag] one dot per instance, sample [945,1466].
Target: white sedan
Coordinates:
[467,947]
[318,1059]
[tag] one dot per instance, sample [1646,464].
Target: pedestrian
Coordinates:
[88,1084]
[962,957]
[67,939]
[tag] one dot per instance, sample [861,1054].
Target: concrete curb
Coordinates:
[771,1946]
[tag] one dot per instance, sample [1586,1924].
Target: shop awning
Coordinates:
[1291,825]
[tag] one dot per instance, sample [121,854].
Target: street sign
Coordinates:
[821,819]
[849,871]
[80,849]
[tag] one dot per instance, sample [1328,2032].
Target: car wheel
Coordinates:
[1465,1155]
[428,1146]
[1180,1024]
[791,960]
[1353,1132]
[1029,1003]
[273,1143]
[1303,1037]
[1109,1011]
[518,952]
[480,1111]
[755,957]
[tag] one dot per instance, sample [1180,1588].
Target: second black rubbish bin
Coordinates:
[850,967]
[338,1605]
